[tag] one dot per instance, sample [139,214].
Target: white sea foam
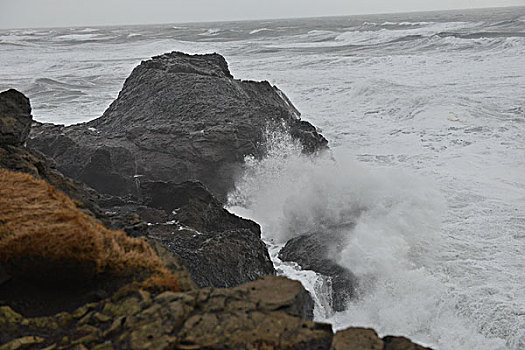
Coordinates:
[255,31]
[398,218]
[384,35]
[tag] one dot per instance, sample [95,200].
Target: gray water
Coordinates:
[425,113]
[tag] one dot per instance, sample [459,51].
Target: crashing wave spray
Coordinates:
[397,221]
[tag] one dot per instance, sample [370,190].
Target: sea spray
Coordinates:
[397,219]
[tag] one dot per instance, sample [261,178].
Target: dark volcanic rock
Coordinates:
[228,251]
[178,117]
[221,259]
[317,251]
[15,118]
[219,249]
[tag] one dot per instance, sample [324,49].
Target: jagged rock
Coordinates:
[221,259]
[265,314]
[317,252]
[15,118]
[401,343]
[364,338]
[173,264]
[218,248]
[356,339]
[178,117]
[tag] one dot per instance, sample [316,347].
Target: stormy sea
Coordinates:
[425,117]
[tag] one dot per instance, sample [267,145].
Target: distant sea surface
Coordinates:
[425,114]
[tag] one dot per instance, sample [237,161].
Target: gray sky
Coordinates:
[60,13]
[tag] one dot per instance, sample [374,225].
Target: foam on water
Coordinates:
[398,218]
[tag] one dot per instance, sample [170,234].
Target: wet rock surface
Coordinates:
[218,248]
[178,117]
[318,252]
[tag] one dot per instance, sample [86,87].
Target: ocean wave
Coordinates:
[255,31]
[397,219]
[211,32]
[59,90]
[372,37]
[406,23]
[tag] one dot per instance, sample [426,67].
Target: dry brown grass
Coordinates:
[40,222]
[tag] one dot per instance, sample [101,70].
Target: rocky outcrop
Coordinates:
[318,252]
[218,248]
[268,313]
[178,118]
[228,250]
[16,119]
[364,338]
[265,314]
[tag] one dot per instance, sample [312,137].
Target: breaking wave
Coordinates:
[397,220]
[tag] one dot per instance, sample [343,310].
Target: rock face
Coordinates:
[316,251]
[15,118]
[228,250]
[178,117]
[363,338]
[265,314]
[218,248]
[14,156]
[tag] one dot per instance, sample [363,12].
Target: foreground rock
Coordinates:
[265,314]
[318,251]
[364,338]
[177,118]
[268,313]
[219,248]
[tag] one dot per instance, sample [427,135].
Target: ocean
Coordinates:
[425,115]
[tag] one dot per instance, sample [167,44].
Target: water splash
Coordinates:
[397,220]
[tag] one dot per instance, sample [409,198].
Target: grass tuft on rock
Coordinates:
[45,237]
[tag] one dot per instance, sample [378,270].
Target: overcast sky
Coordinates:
[60,13]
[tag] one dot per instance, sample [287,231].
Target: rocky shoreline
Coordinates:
[158,166]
